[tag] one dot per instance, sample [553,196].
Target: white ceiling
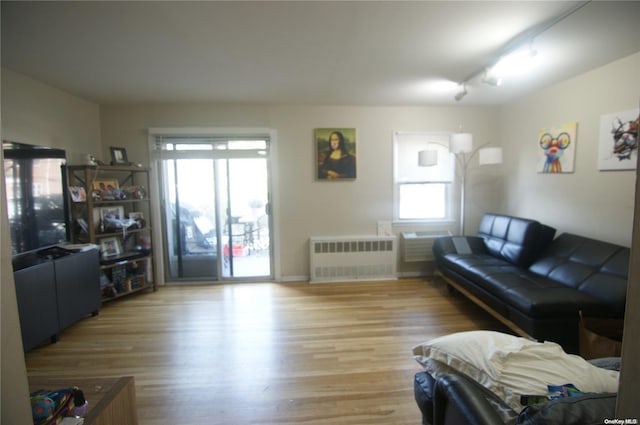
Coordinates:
[305,52]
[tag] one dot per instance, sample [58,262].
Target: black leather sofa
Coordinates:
[455,399]
[535,284]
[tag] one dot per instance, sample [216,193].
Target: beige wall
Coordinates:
[37,114]
[589,202]
[304,207]
[14,401]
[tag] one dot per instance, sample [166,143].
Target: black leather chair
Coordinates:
[455,399]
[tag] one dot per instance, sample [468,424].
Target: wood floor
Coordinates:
[265,353]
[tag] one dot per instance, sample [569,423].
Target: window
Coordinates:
[422,193]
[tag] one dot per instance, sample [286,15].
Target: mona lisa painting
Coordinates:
[335,153]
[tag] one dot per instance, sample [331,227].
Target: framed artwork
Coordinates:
[77,193]
[119,156]
[106,189]
[110,247]
[557,149]
[618,141]
[111,213]
[138,217]
[335,153]
[105,185]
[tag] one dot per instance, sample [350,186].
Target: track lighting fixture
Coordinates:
[458,97]
[515,62]
[491,79]
[517,56]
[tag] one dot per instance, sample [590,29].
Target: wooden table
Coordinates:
[111,400]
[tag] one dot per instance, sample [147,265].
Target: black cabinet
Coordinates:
[77,286]
[37,305]
[54,289]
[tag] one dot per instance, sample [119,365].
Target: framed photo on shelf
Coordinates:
[110,247]
[78,193]
[105,186]
[119,156]
[138,217]
[115,212]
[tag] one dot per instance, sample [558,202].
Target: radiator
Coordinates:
[417,246]
[352,258]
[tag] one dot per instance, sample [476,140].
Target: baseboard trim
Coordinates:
[414,274]
[289,279]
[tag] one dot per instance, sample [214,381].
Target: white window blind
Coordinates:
[422,193]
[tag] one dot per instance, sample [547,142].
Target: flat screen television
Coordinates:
[35,191]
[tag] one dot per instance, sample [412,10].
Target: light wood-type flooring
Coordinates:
[266,353]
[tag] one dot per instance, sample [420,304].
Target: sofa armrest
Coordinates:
[423,387]
[460,400]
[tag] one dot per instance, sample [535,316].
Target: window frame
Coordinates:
[409,144]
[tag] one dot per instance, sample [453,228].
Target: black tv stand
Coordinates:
[55,287]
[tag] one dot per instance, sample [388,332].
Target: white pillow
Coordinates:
[511,366]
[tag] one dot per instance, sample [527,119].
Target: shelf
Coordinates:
[119,201]
[124,294]
[123,260]
[129,168]
[130,268]
[120,233]
[111,202]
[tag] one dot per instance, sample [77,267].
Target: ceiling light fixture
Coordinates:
[458,97]
[512,54]
[491,79]
[516,62]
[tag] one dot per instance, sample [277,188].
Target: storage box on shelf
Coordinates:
[110,207]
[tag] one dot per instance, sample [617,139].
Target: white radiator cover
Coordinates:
[337,259]
[418,246]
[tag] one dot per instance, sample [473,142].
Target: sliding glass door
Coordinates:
[215,208]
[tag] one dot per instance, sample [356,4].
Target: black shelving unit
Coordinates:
[104,203]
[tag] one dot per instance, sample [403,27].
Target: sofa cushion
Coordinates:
[592,267]
[514,239]
[533,295]
[537,296]
[511,366]
[476,266]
